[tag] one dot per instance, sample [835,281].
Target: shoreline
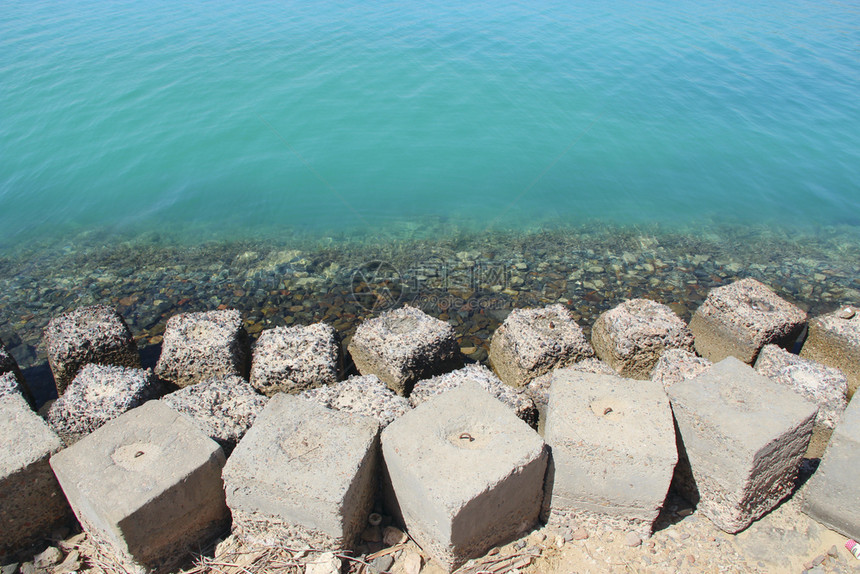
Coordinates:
[471,280]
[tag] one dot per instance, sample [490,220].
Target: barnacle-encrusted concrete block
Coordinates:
[832,495]
[823,386]
[466,473]
[364,395]
[98,394]
[95,334]
[517,399]
[223,407]
[632,336]
[292,359]
[613,450]
[739,319]
[303,475]
[146,486]
[531,342]
[834,340]
[404,345]
[743,436]
[31,502]
[11,378]
[676,365]
[198,346]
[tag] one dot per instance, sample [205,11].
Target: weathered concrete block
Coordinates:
[199,346]
[739,319]
[304,475]
[95,334]
[676,365]
[820,385]
[11,378]
[613,450]
[466,473]
[98,394]
[403,346]
[31,502]
[293,359]
[743,437]
[631,337]
[517,399]
[539,387]
[832,495]
[532,342]
[223,407]
[365,395]
[834,340]
[146,486]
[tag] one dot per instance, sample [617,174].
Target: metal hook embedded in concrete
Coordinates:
[467,436]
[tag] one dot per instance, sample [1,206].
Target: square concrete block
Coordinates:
[11,378]
[95,334]
[403,346]
[631,337]
[146,486]
[517,399]
[539,387]
[676,365]
[743,437]
[834,340]
[365,395]
[613,450]
[31,502]
[293,359]
[98,394]
[303,476]
[199,346]
[737,320]
[532,342]
[466,473]
[823,386]
[224,408]
[832,495]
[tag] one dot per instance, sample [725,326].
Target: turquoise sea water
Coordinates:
[254,118]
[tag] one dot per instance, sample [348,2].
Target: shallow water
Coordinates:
[260,118]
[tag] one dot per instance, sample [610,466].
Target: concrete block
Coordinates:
[223,407]
[466,473]
[199,346]
[823,386]
[742,438]
[11,378]
[631,337]
[31,502]
[517,399]
[303,475]
[292,359]
[365,395]
[676,365]
[613,450]
[146,486]
[739,319]
[531,342]
[832,495]
[95,334]
[834,341]
[403,346]
[539,387]
[98,394]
